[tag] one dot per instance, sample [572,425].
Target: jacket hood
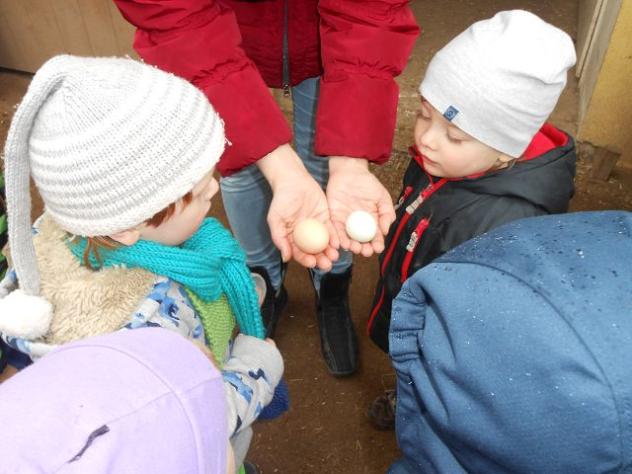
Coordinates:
[520,349]
[544,179]
[144,400]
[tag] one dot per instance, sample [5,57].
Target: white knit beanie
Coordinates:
[109,142]
[500,79]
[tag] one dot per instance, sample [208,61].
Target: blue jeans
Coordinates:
[247,195]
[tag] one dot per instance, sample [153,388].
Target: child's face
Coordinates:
[187,219]
[449,152]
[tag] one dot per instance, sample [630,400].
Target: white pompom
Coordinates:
[25,316]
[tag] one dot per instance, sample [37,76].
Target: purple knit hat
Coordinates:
[143,400]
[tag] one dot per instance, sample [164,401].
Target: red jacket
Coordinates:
[234,49]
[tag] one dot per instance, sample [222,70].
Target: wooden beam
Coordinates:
[603,163]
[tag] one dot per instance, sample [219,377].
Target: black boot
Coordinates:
[251,468]
[338,339]
[274,302]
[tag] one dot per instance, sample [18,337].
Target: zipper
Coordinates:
[425,193]
[410,209]
[391,248]
[414,240]
[400,228]
[286,59]
[403,197]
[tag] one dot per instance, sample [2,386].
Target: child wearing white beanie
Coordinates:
[483,154]
[123,156]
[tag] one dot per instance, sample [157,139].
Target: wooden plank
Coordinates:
[35,31]
[32,31]
[587,19]
[603,163]
[13,23]
[596,52]
[123,32]
[43,30]
[73,32]
[96,17]
[11,50]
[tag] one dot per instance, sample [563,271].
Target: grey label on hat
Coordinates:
[450,113]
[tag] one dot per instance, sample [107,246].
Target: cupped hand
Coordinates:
[352,187]
[296,196]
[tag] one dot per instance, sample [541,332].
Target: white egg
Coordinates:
[311,236]
[361,226]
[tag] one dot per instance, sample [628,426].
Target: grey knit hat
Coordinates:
[109,142]
[500,79]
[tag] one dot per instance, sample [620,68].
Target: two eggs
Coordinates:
[312,237]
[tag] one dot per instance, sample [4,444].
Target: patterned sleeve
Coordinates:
[168,306]
[251,374]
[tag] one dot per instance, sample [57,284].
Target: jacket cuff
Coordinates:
[254,352]
[253,122]
[356,117]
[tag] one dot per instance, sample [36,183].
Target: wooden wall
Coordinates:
[605,102]
[31,31]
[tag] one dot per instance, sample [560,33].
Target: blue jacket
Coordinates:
[514,351]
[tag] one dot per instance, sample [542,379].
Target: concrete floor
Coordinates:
[326,430]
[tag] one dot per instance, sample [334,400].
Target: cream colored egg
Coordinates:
[361,226]
[311,236]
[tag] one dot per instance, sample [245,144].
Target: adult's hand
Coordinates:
[352,187]
[296,196]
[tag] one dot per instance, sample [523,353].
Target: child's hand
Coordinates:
[270,341]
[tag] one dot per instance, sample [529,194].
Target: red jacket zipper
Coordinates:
[415,238]
[402,199]
[410,209]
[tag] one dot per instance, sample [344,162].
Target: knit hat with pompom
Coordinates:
[109,142]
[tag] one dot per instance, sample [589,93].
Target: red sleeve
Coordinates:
[365,45]
[199,40]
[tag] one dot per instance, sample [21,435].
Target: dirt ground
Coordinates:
[326,430]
